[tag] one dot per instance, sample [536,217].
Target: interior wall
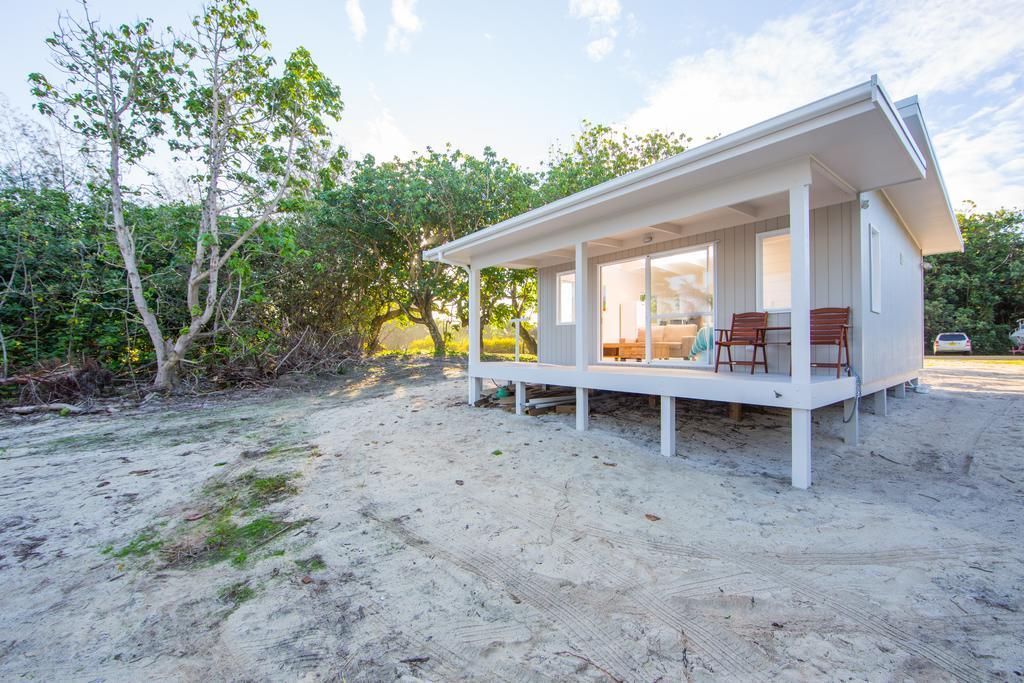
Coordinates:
[622,288]
[832,280]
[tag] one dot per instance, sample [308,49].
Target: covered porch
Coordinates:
[785,173]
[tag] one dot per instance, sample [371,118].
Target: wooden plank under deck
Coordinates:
[772,389]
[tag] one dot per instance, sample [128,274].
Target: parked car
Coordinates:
[952,342]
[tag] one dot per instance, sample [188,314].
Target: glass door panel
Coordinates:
[623,311]
[682,306]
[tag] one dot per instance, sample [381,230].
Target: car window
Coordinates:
[952,336]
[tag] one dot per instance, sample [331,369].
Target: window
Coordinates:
[875,248]
[773,271]
[566,298]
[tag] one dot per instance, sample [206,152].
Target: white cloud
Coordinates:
[600,11]
[381,135]
[603,18]
[931,48]
[600,48]
[981,157]
[404,22]
[356,19]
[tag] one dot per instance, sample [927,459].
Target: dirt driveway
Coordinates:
[379,529]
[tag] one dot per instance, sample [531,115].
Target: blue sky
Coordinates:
[520,76]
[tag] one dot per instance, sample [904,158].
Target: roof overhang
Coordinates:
[858,136]
[924,204]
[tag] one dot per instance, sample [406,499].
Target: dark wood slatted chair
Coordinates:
[747,330]
[830,327]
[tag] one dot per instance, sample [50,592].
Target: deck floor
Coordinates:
[771,389]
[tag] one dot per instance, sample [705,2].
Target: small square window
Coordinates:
[567,298]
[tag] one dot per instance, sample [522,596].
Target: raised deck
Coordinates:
[765,389]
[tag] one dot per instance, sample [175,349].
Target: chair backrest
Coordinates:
[745,326]
[827,324]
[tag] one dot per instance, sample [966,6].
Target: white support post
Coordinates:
[582,336]
[668,426]
[800,292]
[582,409]
[881,406]
[800,325]
[582,309]
[900,390]
[801,476]
[851,429]
[520,398]
[475,385]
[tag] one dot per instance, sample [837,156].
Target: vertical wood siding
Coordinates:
[893,339]
[832,279]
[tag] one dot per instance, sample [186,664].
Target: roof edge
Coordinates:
[911,103]
[866,91]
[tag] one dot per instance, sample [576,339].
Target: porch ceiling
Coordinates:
[856,140]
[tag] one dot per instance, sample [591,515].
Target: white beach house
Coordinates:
[830,206]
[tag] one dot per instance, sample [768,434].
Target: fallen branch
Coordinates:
[44,407]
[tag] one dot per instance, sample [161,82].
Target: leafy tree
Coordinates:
[245,130]
[981,291]
[599,153]
[398,209]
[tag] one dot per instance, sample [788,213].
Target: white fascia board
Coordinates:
[880,96]
[911,107]
[858,93]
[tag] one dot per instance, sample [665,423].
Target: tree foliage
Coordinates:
[278,238]
[981,291]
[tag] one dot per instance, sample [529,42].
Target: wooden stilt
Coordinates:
[881,407]
[582,409]
[851,429]
[668,426]
[801,459]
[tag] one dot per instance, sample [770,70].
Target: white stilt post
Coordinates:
[900,390]
[475,384]
[520,398]
[582,408]
[668,426]
[851,429]
[801,476]
[800,325]
[881,405]
[582,336]
[582,309]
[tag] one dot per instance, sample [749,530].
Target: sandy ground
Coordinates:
[471,544]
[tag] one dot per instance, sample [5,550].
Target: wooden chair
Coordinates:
[830,327]
[747,330]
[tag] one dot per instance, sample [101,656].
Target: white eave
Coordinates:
[924,204]
[858,134]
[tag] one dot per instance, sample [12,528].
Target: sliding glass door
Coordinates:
[660,308]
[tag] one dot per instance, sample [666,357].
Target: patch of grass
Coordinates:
[236,593]
[313,563]
[228,540]
[144,543]
[250,491]
[496,452]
